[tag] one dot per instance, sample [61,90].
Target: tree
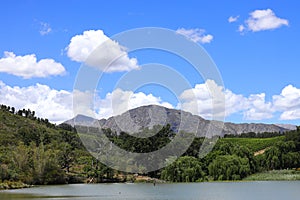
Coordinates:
[185,169]
[291,160]
[294,136]
[66,156]
[13,110]
[46,169]
[272,158]
[229,167]
[244,152]
[95,170]
[4,174]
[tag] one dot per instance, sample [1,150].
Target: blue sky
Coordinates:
[256,52]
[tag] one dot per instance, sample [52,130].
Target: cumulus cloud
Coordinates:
[195,35]
[199,101]
[202,97]
[258,108]
[57,105]
[232,19]
[95,49]
[45,28]
[119,101]
[261,20]
[27,66]
[288,102]
[290,114]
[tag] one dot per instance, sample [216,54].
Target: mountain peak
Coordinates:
[137,119]
[82,120]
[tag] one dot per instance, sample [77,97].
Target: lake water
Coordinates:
[200,191]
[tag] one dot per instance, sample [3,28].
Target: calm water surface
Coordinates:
[202,191]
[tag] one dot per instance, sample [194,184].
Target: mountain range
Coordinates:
[137,119]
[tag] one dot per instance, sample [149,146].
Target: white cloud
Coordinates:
[28,67]
[114,103]
[288,102]
[195,35]
[232,19]
[253,107]
[95,49]
[258,108]
[234,103]
[201,96]
[55,105]
[261,20]
[290,114]
[199,101]
[241,28]
[119,101]
[45,28]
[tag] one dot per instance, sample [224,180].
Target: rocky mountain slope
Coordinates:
[142,117]
[287,126]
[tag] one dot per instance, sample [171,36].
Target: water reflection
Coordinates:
[189,191]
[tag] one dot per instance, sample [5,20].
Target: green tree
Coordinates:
[66,156]
[272,158]
[229,167]
[244,152]
[184,169]
[46,169]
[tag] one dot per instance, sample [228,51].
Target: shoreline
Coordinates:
[157,183]
[11,185]
[275,175]
[268,176]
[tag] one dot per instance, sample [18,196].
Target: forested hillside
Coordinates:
[34,151]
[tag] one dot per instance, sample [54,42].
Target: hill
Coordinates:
[34,151]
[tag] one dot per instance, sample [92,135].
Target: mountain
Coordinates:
[137,119]
[82,120]
[287,126]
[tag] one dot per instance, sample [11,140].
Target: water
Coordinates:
[189,191]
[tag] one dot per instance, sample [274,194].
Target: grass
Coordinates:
[255,144]
[275,175]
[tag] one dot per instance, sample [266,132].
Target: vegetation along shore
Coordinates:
[35,152]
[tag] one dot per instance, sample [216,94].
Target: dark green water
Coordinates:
[202,191]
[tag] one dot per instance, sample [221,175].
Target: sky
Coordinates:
[254,45]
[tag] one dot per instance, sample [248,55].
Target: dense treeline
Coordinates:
[34,151]
[27,113]
[255,135]
[230,161]
[159,137]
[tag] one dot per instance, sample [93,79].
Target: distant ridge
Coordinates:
[136,119]
[81,120]
[287,126]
